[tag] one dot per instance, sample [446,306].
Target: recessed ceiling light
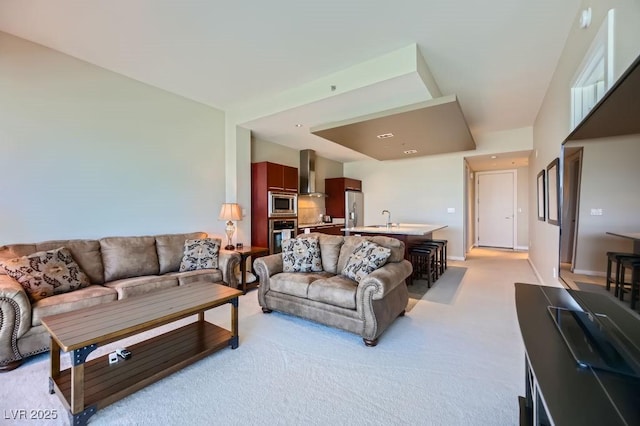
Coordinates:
[410,151]
[298,125]
[493,157]
[385,136]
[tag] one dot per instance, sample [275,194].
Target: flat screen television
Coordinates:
[596,342]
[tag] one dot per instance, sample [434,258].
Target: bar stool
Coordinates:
[614,257]
[444,250]
[438,267]
[424,264]
[632,263]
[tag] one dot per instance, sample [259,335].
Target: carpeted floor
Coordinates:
[456,358]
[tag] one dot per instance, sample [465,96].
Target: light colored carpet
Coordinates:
[456,360]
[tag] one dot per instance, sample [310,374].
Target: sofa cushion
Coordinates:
[366,258]
[89,296]
[170,248]
[330,251]
[136,286]
[190,277]
[125,257]
[85,252]
[337,291]
[301,255]
[295,283]
[200,254]
[46,273]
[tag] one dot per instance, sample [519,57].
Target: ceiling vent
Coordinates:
[308,173]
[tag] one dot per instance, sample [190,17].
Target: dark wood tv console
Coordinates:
[559,391]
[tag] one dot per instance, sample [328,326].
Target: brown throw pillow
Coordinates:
[200,254]
[46,273]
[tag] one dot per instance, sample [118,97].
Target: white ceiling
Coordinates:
[496,56]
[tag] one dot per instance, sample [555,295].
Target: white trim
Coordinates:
[456,258]
[586,87]
[522,248]
[587,272]
[514,174]
[535,271]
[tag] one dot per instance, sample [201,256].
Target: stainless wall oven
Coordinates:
[282,204]
[280,230]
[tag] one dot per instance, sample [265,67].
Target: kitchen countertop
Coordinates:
[319,224]
[315,225]
[397,228]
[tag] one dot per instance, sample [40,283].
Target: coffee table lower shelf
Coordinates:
[151,360]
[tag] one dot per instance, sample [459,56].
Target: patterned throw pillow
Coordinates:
[366,258]
[301,255]
[46,273]
[200,254]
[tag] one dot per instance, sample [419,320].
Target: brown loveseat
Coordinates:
[117,268]
[366,308]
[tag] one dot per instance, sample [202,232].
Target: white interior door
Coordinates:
[495,193]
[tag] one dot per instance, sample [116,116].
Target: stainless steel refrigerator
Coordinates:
[354,208]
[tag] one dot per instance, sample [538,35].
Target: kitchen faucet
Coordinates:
[388,217]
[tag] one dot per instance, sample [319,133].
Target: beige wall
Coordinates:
[553,120]
[420,190]
[89,153]
[610,179]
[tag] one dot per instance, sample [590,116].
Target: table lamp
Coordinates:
[230,212]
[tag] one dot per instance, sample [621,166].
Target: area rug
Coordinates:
[443,290]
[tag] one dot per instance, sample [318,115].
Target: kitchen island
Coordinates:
[409,233]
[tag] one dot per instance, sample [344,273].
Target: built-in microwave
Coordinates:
[282,204]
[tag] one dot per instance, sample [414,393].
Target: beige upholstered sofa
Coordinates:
[117,268]
[366,308]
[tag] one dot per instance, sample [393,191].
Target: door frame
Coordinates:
[574,193]
[514,177]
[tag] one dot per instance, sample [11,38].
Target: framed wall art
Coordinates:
[553,192]
[541,196]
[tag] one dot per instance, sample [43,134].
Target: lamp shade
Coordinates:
[230,211]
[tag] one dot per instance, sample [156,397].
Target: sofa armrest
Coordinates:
[383,280]
[381,296]
[228,261]
[266,267]
[15,317]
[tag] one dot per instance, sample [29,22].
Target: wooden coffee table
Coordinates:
[87,386]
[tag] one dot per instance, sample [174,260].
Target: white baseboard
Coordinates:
[593,273]
[535,271]
[455,258]
[522,248]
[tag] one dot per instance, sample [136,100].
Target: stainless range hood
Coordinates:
[308,174]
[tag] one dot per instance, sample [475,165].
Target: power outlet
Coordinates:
[596,212]
[451,210]
[555,273]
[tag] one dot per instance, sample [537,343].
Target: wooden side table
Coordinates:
[245,253]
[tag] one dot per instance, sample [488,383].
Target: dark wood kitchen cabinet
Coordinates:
[330,229]
[335,188]
[276,177]
[265,177]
